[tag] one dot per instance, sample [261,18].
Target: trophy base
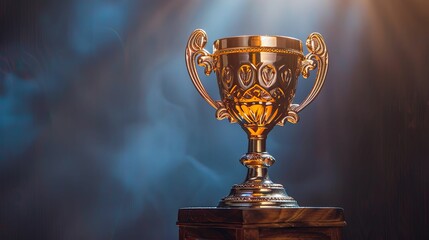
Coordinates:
[258,196]
[257,191]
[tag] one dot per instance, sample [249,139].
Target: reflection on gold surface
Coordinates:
[257,77]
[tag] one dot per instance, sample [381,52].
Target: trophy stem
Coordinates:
[257,145]
[257,190]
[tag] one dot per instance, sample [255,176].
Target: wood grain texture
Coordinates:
[268,223]
[243,216]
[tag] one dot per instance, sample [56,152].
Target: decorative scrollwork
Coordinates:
[195,52]
[222,113]
[307,66]
[292,116]
[317,57]
[206,62]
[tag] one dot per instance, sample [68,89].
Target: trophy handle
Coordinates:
[317,57]
[195,52]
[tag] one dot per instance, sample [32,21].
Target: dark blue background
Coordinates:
[103,136]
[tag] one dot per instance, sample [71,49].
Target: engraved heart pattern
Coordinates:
[246,75]
[267,75]
[286,76]
[227,77]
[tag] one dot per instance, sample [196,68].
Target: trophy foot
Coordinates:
[258,196]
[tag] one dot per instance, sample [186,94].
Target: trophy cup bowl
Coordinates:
[257,78]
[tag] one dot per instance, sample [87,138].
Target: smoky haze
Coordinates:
[103,135]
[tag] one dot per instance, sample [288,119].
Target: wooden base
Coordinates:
[210,223]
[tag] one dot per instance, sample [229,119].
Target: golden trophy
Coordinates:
[257,78]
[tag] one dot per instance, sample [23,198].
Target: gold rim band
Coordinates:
[258,49]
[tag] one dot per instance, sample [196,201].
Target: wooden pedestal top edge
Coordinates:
[282,217]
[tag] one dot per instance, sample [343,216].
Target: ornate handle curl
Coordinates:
[317,57]
[195,52]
